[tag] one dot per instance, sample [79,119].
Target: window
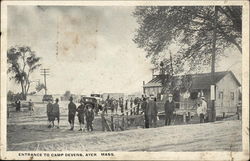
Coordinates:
[220,95]
[232,95]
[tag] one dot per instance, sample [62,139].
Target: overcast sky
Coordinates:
[95,48]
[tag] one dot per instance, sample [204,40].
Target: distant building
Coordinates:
[227,93]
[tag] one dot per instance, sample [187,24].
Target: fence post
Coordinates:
[112,123]
[123,123]
[127,119]
[184,117]
[189,116]
[103,122]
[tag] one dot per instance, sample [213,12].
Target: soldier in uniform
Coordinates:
[49,113]
[152,111]
[56,112]
[144,106]
[169,109]
[81,113]
[72,112]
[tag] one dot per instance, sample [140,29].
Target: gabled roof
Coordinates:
[155,82]
[199,81]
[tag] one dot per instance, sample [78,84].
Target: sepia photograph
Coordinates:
[97,80]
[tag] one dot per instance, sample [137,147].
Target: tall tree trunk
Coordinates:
[23,90]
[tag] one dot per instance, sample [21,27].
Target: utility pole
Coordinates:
[57,36]
[213,88]
[45,72]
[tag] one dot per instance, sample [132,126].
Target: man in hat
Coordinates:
[169,109]
[151,110]
[144,106]
[49,113]
[71,114]
[131,106]
[81,113]
[56,112]
[18,104]
[202,109]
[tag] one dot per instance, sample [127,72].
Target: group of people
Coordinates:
[150,111]
[129,106]
[84,113]
[18,105]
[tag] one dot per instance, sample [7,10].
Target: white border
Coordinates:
[135,155]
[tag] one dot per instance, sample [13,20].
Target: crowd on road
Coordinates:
[85,112]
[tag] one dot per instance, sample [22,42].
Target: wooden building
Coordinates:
[227,93]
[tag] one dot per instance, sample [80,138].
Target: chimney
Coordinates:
[143,87]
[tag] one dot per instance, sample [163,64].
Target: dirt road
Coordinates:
[30,132]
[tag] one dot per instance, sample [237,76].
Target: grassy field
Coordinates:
[27,131]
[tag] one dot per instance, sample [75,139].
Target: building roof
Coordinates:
[199,81]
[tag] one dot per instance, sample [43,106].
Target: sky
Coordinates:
[95,51]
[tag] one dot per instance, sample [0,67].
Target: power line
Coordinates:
[45,72]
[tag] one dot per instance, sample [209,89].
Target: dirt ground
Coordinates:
[29,132]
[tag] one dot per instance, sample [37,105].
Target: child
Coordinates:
[89,118]
[81,112]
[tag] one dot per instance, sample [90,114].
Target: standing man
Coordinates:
[116,105]
[126,106]
[71,114]
[144,106]
[152,111]
[202,110]
[131,106]
[18,105]
[81,113]
[49,113]
[56,112]
[31,106]
[105,107]
[169,109]
[112,106]
[121,104]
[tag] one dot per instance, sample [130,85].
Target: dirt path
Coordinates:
[29,132]
[220,136]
